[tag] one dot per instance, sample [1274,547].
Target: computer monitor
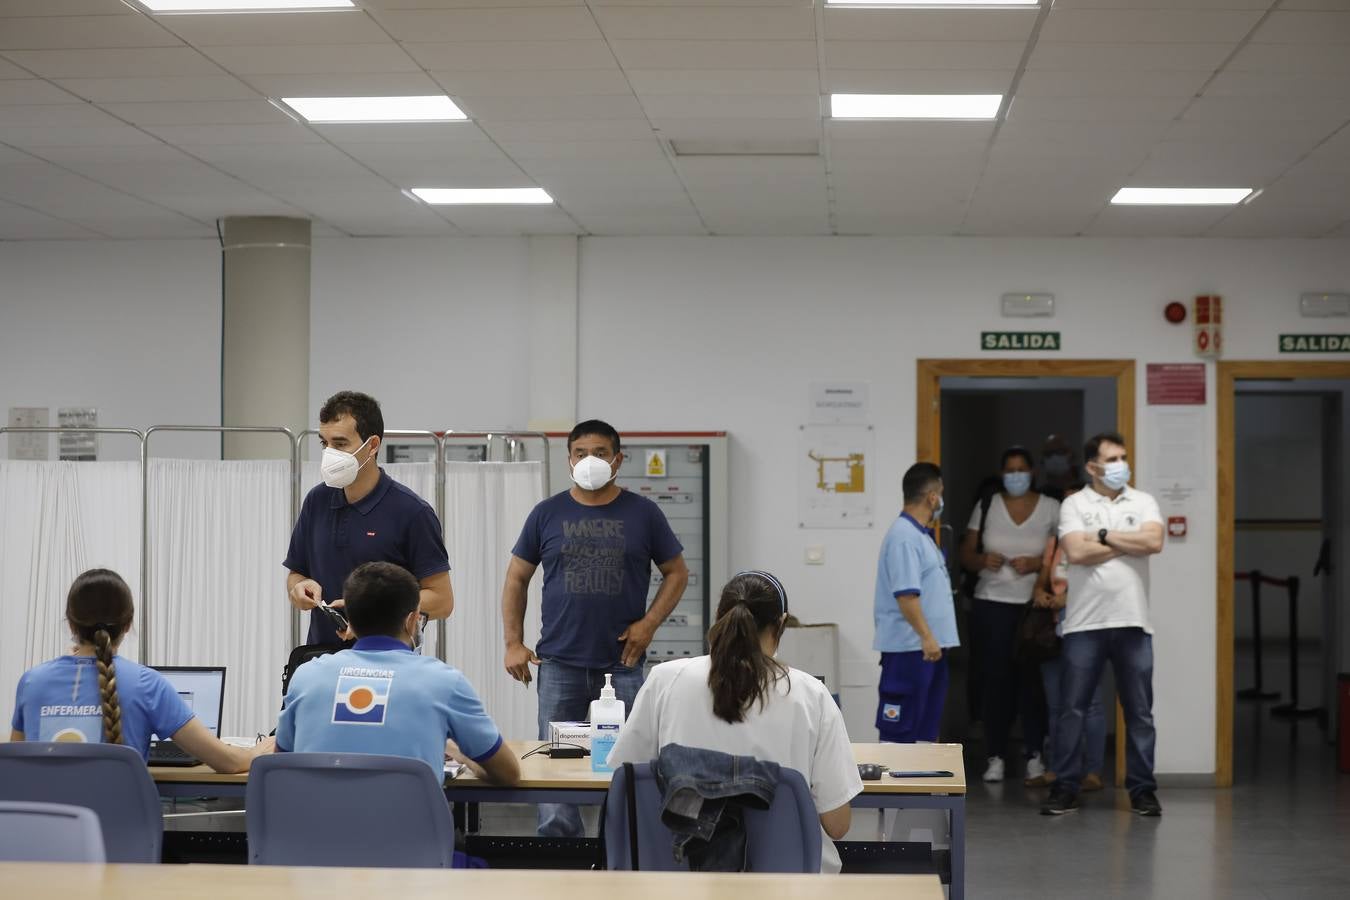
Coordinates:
[202,689]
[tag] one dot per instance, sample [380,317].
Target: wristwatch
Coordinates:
[1101,538]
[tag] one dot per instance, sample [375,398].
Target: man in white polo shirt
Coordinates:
[1108,533]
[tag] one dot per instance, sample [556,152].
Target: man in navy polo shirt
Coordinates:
[914,615]
[379,697]
[597,543]
[359,514]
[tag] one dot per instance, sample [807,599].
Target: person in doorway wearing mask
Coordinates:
[914,614]
[1004,545]
[1058,470]
[597,543]
[1108,532]
[359,514]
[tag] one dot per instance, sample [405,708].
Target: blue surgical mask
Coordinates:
[1116,475]
[1016,483]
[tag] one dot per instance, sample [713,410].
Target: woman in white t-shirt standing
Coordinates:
[1004,544]
[742,701]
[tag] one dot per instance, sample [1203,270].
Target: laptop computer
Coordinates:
[203,690]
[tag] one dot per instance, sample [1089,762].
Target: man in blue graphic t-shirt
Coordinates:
[379,697]
[597,543]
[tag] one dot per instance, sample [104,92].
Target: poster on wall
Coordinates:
[839,402]
[28,446]
[834,487]
[78,446]
[1176,465]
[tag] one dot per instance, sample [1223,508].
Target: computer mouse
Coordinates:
[869,771]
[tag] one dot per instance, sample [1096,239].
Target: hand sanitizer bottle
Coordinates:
[606,720]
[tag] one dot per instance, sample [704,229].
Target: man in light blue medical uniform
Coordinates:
[914,614]
[380,697]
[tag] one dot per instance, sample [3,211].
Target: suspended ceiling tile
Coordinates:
[346,84]
[429,134]
[533,83]
[929,25]
[489,220]
[620,224]
[662,108]
[595,130]
[1162,26]
[1096,109]
[1305,27]
[32,137]
[602,151]
[244,29]
[504,109]
[734,130]
[495,24]
[690,22]
[677,82]
[511,56]
[873,54]
[1104,83]
[1143,221]
[33,90]
[150,89]
[1127,57]
[83,32]
[217,135]
[754,224]
[17,8]
[215,112]
[1332,111]
[168,225]
[311,59]
[1288,85]
[924,223]
[715,54]
[919,81]
[18,223]
[122,62]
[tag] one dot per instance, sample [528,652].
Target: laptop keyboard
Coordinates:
[167,753]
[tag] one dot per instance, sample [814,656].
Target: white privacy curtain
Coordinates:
[58,519]
[486,505]
[421,478]
[218,533]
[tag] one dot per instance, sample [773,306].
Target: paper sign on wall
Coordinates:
[78,446]
[839,402]
[28,446]
[834,489]
[656,463]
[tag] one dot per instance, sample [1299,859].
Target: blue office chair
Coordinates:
[783,838]
[49,832]
[110,779]
[347,809]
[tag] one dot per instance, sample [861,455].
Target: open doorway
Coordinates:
[1282,514]
[969,411]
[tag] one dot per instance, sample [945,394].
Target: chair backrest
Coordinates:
[49,832]
[347,809]
[783,838]
[110,779]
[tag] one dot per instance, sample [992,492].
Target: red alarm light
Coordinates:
[1175,312]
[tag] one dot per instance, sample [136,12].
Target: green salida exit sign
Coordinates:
[1315,343]
[1019,340]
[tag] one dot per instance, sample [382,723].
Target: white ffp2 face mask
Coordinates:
[339,467]
[592,473]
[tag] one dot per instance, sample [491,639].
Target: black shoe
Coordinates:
[1059,802]
[1145,803]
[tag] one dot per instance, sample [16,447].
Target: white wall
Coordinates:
[436,330]
[729,332]
[696,333]
[132,328]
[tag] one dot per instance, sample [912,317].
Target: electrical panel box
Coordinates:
[685,475]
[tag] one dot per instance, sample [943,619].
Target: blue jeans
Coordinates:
[1094,724]
[565,695]
[1084,654]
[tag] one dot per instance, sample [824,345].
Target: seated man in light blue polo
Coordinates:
[914,614]
[380,697]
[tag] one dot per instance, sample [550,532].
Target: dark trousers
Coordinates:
[1084,653]
[910,697]
[1010,688]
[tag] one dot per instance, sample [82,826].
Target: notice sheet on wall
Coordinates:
[834,487]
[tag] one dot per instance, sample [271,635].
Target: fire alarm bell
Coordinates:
[1176,526]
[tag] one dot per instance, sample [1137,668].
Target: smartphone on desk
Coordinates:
[920,773]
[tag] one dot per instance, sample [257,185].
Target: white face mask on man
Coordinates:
[339,467]
[591,473]
[1116,474]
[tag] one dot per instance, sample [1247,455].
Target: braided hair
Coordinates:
[99,609]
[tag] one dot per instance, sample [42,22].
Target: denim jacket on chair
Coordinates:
[702,795]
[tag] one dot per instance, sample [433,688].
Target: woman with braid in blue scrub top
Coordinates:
[95,696]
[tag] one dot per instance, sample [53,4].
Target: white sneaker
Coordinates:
[995,770]
[1035,768]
